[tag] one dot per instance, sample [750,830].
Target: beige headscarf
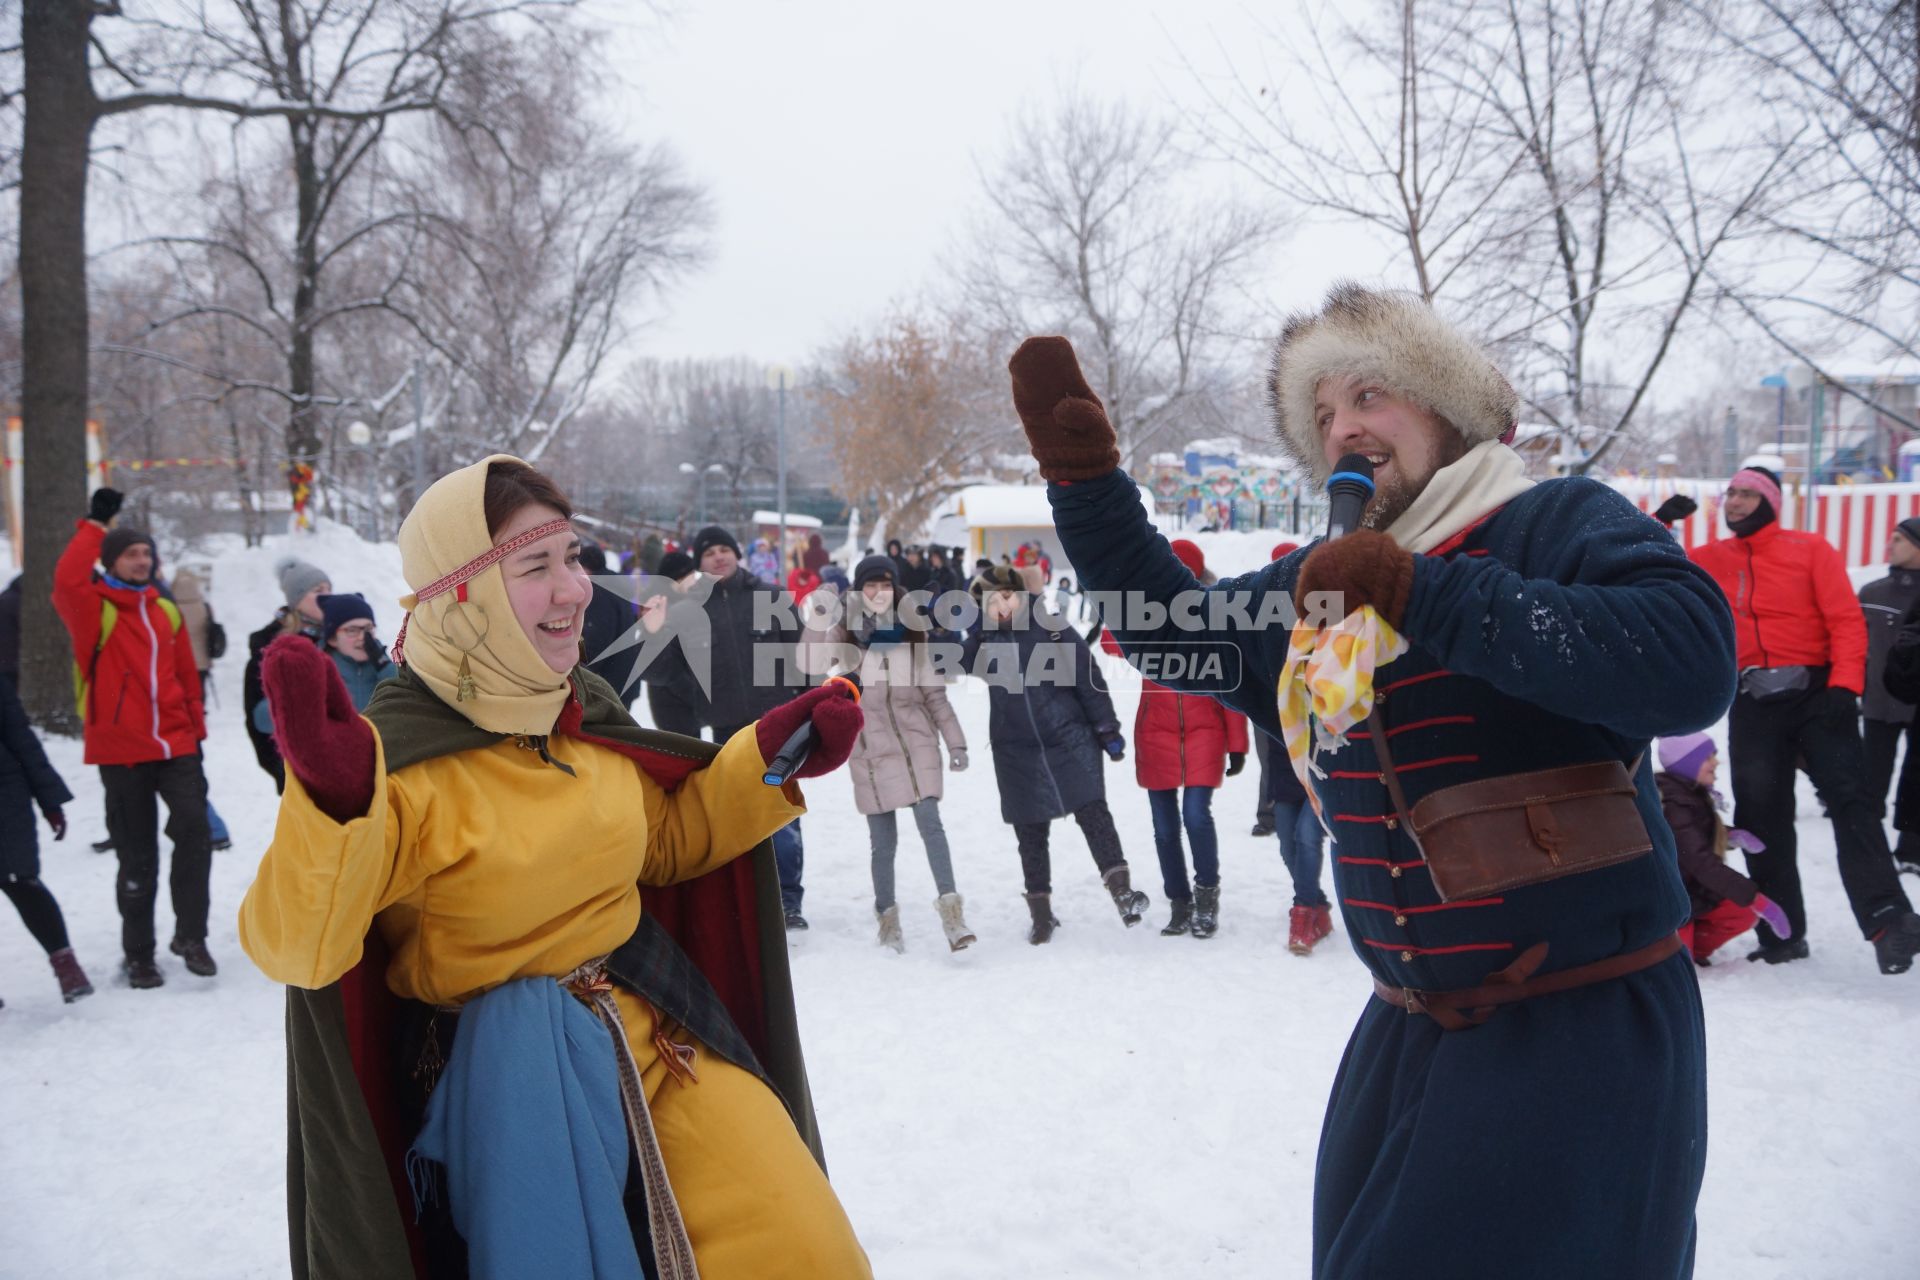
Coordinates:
[466,644]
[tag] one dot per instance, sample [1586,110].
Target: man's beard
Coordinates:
[1391,499]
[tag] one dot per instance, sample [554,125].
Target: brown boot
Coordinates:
[1128,900]
[73,979]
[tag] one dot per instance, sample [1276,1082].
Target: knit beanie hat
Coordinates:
[1911,528]
[1283,549]
[463,640]
[713,536]
[873,568]
[118,542]
[675,565]
[997,577]
[1189,554]
[1398,339]
[1686,755]
[593,558]
[336,611]
[297,577]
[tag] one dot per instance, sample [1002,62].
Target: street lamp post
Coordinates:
[777,376]
[688,469]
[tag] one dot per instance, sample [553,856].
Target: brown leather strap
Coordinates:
[1389,775]
[1457,1010]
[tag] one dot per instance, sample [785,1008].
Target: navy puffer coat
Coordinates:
[28,785]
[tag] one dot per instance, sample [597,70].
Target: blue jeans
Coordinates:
[216,826]
[1195,811]
[790,856]
[1302,848]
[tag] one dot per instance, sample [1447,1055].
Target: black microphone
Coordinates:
[799,744]
[1349,489]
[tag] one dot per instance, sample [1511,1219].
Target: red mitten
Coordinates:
[1066,425]
[834,709]
[320,736]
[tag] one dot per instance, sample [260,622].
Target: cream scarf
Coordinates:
[1487,477]
[466,644]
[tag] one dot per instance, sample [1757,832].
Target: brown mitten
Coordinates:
[1066,424]
[1366,568]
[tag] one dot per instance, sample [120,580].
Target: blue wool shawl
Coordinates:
[528,1122]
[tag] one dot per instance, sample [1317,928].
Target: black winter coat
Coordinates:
[27,784]
[609,615]
[1045,730]
[10,633]
[1697,840]
[253,693]
[1885,602]
[750,648]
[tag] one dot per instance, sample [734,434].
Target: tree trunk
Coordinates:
[59,117]
[303,420]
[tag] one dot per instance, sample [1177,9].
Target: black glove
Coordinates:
[105,505]
[376,651]
[1675,509]
[1843,702]
[1236,761]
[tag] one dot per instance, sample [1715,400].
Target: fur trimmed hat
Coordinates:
[1395,337]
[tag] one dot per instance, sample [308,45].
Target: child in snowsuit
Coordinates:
[27,781]
[1725,903]
[1048,723]
[896,759]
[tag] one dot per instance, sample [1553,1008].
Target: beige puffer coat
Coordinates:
[896,761]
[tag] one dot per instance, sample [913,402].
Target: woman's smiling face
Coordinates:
[546,586]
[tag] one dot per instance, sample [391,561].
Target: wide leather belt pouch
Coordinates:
[1481,838]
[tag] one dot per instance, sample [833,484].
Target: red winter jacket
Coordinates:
[1181,739]
[144,696]
[1793,604]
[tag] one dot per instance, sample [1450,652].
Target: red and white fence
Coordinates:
[1856,518]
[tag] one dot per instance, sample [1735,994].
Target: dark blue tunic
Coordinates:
[1566,1137]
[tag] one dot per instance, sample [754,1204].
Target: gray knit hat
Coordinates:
[297,577]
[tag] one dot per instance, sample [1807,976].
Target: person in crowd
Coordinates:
[610,616]
[917,573]
[944,577]
[1802,664]
[1184,747]
[209,641]
[896,762]
[1725,903]
[28,783]
[347,635]
[896,553]
[815,558]
[1518,1039]
[507,836]
[301,586]
[1263,815]
[1885,720]
[1901,680]
[140,706]
[834,577]
[748,655]
[802,581]
[1047,733]
[10,634]
[763,562]
[675,700]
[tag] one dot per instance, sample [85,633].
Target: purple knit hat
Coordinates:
[1685,755]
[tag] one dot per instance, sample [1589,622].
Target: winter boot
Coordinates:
[142,973]
[1040,906]
[73,979]
[795,921]
[103,846]
[890,935]
[1300,931]
[959,937]
[1206,910]
[1322,923]
[1782,952]
[1262,827]
[1178,921]
[1130,901]
[1894,946]
[194,952]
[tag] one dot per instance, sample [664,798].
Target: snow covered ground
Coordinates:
[1112,1104]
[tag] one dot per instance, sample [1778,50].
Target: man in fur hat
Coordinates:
[1525,1091]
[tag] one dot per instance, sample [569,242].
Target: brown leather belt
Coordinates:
[1458,1010]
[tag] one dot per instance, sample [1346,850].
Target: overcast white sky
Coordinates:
[838,141]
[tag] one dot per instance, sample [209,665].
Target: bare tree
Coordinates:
[910,413]
[1091,233]
[1393,145]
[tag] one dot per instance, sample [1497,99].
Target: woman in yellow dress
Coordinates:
[493,827]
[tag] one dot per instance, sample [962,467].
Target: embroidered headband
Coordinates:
[457,582]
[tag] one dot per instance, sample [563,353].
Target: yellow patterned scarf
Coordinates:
[1326,685]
